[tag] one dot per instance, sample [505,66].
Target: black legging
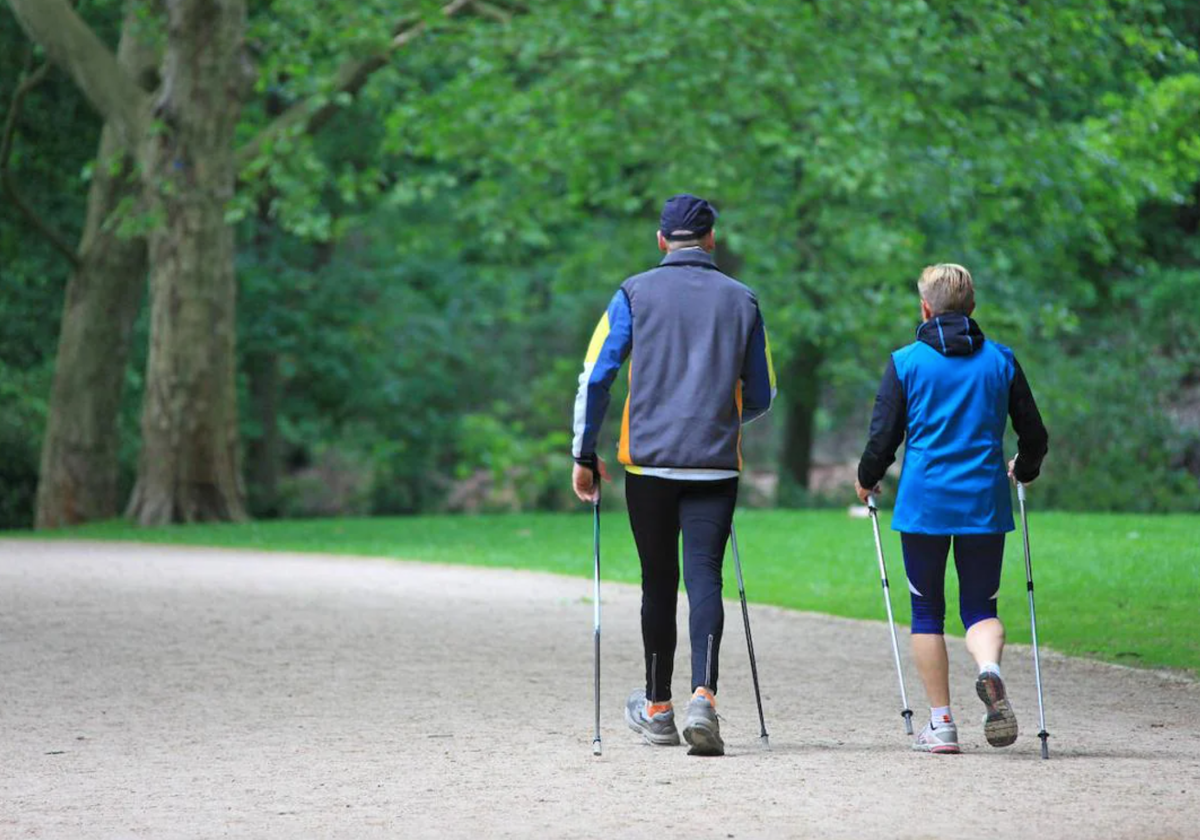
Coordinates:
[658,509]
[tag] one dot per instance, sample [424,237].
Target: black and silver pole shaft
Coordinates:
[905,711]
[1037,664]
[596,748]
[737,565]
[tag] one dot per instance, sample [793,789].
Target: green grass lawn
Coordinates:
[1124,588]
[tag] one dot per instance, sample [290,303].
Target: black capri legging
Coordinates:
[659,508]
[978,559]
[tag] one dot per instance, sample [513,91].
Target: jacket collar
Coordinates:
[951,334]
[690,256]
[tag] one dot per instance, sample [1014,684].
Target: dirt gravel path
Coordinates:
[154,692]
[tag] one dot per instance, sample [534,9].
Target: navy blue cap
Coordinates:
[686,217]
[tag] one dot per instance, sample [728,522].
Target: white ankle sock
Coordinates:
[940,716]
[990,668]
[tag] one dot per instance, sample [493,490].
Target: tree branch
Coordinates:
[350,78]
[496,13]
[74,47]
[29,81]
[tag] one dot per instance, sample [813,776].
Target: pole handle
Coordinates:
[1020,491]
[871,503]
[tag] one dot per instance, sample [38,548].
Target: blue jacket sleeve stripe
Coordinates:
[610,345]
[758,374]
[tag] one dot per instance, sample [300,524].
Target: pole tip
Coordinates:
[1044,735]
[766,742]
[596,747]
[907,715]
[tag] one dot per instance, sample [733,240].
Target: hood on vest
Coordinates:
[951,334]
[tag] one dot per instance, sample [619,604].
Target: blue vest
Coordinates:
[956,385]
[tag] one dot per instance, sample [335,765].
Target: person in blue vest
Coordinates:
[699,369]
[948,397]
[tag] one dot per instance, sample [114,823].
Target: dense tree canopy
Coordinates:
[431,210]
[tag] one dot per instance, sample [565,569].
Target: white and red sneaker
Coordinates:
[941,738]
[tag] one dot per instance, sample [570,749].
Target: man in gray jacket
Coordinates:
[699,367]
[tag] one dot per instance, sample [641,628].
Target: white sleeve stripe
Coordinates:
[581,397]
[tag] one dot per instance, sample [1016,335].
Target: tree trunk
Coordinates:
[78,480]
[189,466]
[800,390]
[78,477]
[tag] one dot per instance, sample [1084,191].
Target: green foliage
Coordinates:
[847,145]
[430,364]
[1113,443]
[1108,585]
[423,273]
[526,472]
[22,418]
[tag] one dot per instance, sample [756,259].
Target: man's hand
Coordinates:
[584,481]
[863,492]
[1012,465]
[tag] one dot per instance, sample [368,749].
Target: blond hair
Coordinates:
[947,287]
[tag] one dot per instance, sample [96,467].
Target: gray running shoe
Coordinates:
[658,730]
[943,740]
[1000,722]
[703,731]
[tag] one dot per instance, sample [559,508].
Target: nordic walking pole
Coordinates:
[737,565]
[596,749]
[905,712]
[1037,665]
